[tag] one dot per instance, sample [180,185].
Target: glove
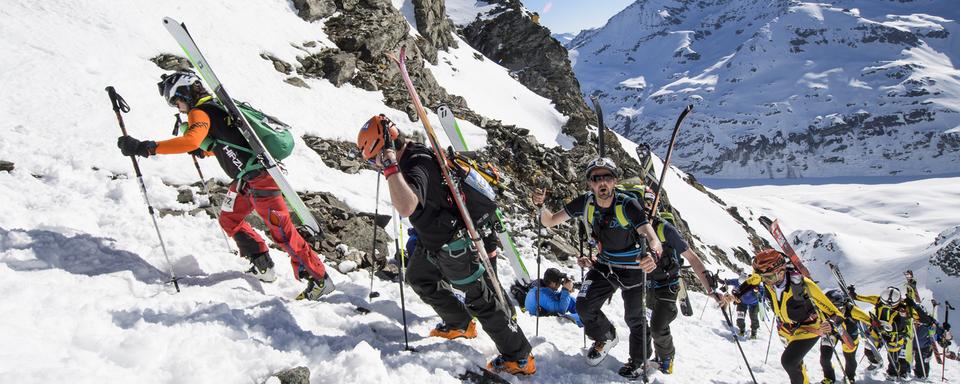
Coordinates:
[909,301]
[130,146]
[853,292]
[198,153]
[946,327]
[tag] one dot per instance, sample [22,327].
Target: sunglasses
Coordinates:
[601,178]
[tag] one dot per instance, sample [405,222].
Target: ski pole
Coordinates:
[744,355]
[403,271]
[946,320]
[120,106]
[582,236]
[206,191]
[539,282]
[373,248]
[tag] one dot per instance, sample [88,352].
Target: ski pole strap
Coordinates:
[119,104]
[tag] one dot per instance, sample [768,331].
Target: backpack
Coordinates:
[627,189]
[478,195]
[273,133]
[518,291]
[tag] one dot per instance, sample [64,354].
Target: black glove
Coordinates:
[198,153]
[910,303]
[946,327]
[130,146]
[853,292]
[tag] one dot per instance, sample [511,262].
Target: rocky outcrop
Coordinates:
[948,256]
[538,61]
[433,24]
[169,62]
[340,155]
[313,10]
[331,64]
[6,166]
[296,375]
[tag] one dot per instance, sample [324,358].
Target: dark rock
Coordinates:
[280,65]
[169,62]
[296,81]
[433,24]
[6,166]
[313,10]
[341,155]
[185,196]
[331,64]
[296,375]
[562,250]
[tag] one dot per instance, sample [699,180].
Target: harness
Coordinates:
[624,259]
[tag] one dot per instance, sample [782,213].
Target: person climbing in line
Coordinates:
[555,297]
[749,303]
[250,190]
[626,253]
[852,314]
[799,305]
[443,255]
[662,289]
[891,318]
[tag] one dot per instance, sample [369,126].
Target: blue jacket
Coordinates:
[558,303]
[749,298]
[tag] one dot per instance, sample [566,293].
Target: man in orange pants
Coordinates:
[251,189]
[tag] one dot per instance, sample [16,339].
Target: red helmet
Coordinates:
[373,135]
[769,260]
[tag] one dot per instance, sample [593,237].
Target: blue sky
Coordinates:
[575,15]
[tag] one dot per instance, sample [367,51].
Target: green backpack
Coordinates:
[274,134]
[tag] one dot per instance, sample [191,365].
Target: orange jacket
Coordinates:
[199,125]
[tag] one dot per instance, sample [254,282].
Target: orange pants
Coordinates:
[263,195]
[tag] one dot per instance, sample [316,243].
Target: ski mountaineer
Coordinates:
[626,253]
[442,256]
[852,314]
[892,321]
[249,191]
[555,300]
[749,303]
[663,285]
[797,302]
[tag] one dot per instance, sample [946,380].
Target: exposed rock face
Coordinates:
[948,256]
[296,375]
[433,25]
[341,155]
[313,10]
[538,61]
[6,166]
[331,64]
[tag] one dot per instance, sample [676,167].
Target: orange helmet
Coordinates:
[769,260]
[373,135]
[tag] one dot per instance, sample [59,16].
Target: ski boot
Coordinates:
[448,332]
[317,289]
[632,369]
[826,381]
[753,334]
[522,367]
[262,267]
[664,365]
[599,350]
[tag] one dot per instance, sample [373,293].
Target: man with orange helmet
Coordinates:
[799,305]
[255,190]
[443,254]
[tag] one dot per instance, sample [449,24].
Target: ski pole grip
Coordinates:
[119,104]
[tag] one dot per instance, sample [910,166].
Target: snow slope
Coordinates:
[873,232]
[80,270]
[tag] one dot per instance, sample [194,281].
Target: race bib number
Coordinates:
[228,201]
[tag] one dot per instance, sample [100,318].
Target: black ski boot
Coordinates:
[262,267]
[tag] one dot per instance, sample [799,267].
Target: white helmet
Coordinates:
[177,84]
[602,162]
[891,296]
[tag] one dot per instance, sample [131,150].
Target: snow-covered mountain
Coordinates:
[565,37]
[81,271]
[784,88]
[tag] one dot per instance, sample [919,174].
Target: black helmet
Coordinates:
[602,162]
[177,84]
[835,297]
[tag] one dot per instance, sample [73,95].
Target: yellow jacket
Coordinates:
[798,319]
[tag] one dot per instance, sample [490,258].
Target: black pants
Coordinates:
[599,285]
[663,306]
[898,365]
[742,311]
[827,348]
[431,274]
[922,356]
[792,359]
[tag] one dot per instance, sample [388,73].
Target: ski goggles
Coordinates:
[772,276]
